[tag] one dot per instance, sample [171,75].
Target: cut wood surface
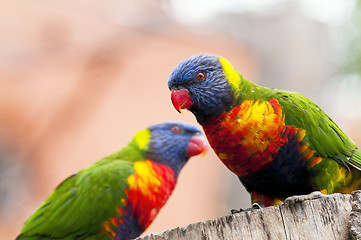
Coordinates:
[334,217]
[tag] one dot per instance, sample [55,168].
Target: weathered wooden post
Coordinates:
[334,217]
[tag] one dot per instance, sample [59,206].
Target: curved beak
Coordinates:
[181,99]
[197,145]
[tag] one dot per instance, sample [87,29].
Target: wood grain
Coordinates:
[336,216]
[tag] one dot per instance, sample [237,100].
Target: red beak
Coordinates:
[181,99]
[197,145]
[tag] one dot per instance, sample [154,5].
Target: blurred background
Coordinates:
[78,79]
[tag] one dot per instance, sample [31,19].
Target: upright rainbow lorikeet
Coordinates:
[278,143]
[119,196]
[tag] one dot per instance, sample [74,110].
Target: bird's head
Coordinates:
[172,143]
[205,85]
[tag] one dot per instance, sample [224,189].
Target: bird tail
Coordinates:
[355,159]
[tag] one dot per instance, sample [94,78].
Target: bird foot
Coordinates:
[301,198]
[254,206]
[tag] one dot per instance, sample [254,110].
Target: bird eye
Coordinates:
[175,129]
[201,76]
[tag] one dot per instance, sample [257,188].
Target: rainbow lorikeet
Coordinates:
[278,143]
[119,196]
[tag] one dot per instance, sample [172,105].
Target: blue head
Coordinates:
[173,143]
[199,84]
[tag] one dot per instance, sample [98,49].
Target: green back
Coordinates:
[81,203]
[322,133]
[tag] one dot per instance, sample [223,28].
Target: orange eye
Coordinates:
[175,129]
[201,76]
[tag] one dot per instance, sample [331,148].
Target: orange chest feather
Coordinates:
[248,137]
[149,189]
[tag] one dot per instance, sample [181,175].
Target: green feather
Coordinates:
[355,159]
[76,208]
[322,133]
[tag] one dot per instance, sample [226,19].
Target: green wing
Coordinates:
[80,204]
[322,133]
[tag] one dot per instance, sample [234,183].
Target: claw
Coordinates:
[234,211]
[257,205]
[254,207]
[301,198]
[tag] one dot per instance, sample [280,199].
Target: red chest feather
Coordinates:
[148,190]
[248,137]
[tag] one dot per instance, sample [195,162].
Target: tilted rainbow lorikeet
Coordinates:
[120,195]
[278,143]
